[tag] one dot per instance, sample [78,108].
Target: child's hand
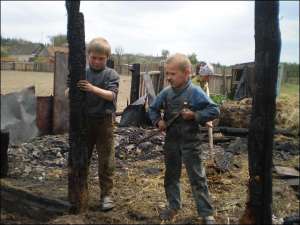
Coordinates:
[67,93]
[209,124]
[84,85]
[187,114]
[162,126]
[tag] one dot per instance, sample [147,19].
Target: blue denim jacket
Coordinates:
[171,101]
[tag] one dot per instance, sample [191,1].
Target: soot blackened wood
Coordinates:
[3,156]
[261,131]
[135,83]
[110,63]
[77,161]
[22,202]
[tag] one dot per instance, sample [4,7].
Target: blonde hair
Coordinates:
[182,61]
[99,45]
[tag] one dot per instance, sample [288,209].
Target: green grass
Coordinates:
[218,99]
[289,89]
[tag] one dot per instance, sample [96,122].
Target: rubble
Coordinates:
[128,149]
[44,156]
[41,166]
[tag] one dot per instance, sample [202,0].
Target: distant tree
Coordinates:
[130,58]
[193,58]
[119,52]
[58,40]
[165,53]
[4,52]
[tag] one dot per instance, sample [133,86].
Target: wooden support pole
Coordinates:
[161,78]
[60,102]
[78,155]
[3,154]
[135,82]
[224,82]
[110,63]
[261,130]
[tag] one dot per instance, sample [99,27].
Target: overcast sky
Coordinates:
[216,31]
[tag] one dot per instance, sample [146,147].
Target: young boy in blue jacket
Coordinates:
[182,142]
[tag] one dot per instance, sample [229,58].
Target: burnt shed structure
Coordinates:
[242,82]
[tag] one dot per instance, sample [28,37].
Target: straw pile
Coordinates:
[238,114]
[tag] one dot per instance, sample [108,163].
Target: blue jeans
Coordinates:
[176,153]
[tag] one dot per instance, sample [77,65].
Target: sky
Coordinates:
[217,31]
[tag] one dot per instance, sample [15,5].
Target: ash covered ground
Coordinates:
[40,166]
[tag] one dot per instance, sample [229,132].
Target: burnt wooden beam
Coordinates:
[78,156]
[25,203]
[261,130]
[135,82]
[238,131]
[3,154]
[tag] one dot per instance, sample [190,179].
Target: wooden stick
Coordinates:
[210,129]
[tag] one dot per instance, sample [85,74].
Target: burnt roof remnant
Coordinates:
[77,161]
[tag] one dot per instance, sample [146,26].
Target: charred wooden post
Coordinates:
[224,82]
[261,130]
[135,82]
[3,155]
[78,156]
[110,63]
[161,78]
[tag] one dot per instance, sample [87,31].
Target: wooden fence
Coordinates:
[219,84]
[123,68]
[27,66]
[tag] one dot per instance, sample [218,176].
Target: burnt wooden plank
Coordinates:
[23,202]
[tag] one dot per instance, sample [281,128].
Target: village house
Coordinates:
[26,52]
[49,52]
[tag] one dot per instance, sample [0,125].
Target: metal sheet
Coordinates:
[44,113]
[18,115]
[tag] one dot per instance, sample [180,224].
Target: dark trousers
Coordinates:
[100,133]
[175,154]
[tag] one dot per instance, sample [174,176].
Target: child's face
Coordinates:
[97,60]
[175,76]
